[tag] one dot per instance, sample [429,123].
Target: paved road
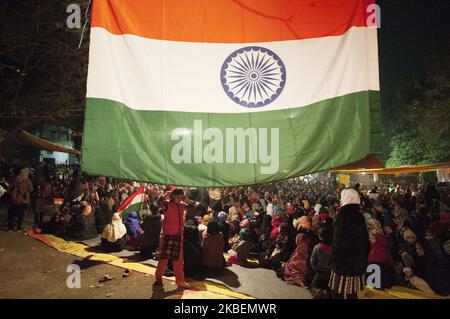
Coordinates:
[32,270]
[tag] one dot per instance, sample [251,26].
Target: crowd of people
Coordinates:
[315,234]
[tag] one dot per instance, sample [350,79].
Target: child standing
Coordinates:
[171,241]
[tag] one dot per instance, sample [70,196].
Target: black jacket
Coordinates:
[81,228]
[192,251]
[152,230]
[103,217]
[350,242]
[434,272]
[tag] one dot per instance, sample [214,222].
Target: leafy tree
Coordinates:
[42,70]
[421,134]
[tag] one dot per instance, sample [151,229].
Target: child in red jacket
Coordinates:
[171,241]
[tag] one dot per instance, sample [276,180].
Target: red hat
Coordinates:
[245,223]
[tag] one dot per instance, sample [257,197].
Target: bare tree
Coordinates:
[43,72]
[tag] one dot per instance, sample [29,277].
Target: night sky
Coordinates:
[410,31]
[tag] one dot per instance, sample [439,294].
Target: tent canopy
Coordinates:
[369,162]
[33,141]
[407,169]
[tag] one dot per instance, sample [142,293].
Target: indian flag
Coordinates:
[132,203]
[229,92]
[58,201]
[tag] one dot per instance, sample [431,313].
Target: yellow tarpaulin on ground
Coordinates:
[397,292]
[37,142]
[201,289]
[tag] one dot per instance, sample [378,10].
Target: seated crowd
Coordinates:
[288,227]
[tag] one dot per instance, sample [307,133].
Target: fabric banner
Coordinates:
[226,93]
[133,203]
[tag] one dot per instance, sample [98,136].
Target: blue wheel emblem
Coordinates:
[253,76]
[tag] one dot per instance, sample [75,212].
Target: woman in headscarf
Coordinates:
[350,248]
[114,235]
[192,250]
[320,263]
[407,248]
[279,250]
[75,190]
[276,221]
[82,225]
[380,253]
[104,213]
[297,270]
[212,246]
[432,270]
[152,230]
[202,227]
[224,228]
[134,230]
[264,233]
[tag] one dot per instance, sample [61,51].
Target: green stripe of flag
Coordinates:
[134,144]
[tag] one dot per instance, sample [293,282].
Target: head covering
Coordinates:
[213,227]
[191,233]
[114,230]
[215,194]
[408,233]
[205,219]
[132,224]
[170,188]
[317,208]
[306,204]
[350,196]
[302,223]
[245,223]
[222,217]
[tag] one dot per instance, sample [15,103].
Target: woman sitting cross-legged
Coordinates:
[297,270]
[134,231]
[428,274]
[212,246]
[152,230]
[380,254]
[320,263]
[241,251]
[82,225]
[114,235]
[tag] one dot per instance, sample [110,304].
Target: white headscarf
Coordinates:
[317,208]
[115,230]
[350,196]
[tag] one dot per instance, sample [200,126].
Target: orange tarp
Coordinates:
[369,162]
[37,142]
